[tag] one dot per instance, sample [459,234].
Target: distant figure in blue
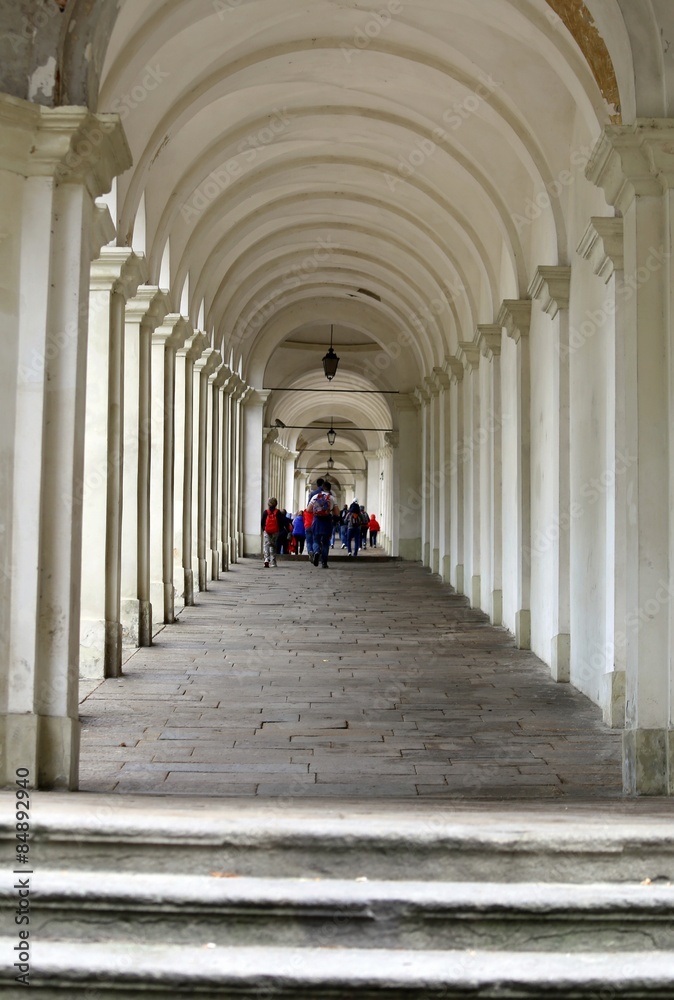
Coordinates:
[325,510]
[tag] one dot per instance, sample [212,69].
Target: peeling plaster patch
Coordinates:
[43,80]
[88,52]
[581,25]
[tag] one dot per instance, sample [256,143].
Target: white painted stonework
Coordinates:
[470,200]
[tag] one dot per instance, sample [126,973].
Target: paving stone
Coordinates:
[392,687]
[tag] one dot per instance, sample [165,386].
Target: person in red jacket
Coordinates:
[373,525]
[271,527]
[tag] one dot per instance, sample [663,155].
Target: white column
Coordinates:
[47,189]
[515,316]
[204,368]
[435,480]
[423,399]
[143,314]
[454,370]
[253,501]
[406,479]
[290,501]
[115,277]
[603,245]
[215,490]
[226,409]
[552,286]
[166,340]
[185,419]
[443,383]
[491,480]
[469,355]
[633,165]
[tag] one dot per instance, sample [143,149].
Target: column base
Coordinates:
[458,573]
[145,623]
[475,592]
[203,576]
[252,546]
[435,566]
[426,558]
[523,629]
[215,564]
[225,557]
[497,607]
[113,649]
[648,762]
[92,649]
[560,659]
[614,699]
[410,549]
[189,588]
[447,569]
[169,604]
[48,747]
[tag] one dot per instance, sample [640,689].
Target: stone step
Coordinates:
[165,972]
[292,913]
[295,839]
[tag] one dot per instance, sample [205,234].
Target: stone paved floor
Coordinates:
[370,680]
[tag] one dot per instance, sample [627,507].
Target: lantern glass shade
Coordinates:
[330,362]
[332,436]
[331,462]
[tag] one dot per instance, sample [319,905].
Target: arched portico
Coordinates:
[473,200]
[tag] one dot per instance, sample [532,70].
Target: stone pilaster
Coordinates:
[634,165]
[166,340]
[115,277]
[469,356]
[489,338]
[204,368]
[143,314]
[454,370]
[435,478]
[603,246]
[406,480]
[185,418]
[552,286]
[253,501]
[443,383]
[423,398]
[51,172]
[515,317]
[225,380]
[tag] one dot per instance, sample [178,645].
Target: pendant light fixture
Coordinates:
[330,361]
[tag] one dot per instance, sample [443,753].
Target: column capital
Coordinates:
[392,438]
[488,338]
[256,397]
[406,401]
[194,346]
[173,332]
[69,144]
[454,369]
[422,395]
[148,307]
[442,379]
[432,388]
[118,270]
[223,376]
[271,435]
[469,355]
[103,229]
[216,371]
[515,316]
[633,160]
[207,363]
[603,244]
[552,285]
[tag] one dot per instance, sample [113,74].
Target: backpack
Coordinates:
[353,519]
[322,506]
[271,525]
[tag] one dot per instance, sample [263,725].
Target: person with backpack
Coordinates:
[299,533]
[353,522]
[374,529]
[343,526]
[271,527]
[324,510]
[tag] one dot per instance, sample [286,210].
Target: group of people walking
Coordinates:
[317,527]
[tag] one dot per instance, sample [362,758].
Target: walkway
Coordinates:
[369,680]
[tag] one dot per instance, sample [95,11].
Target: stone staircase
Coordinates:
[136,898]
